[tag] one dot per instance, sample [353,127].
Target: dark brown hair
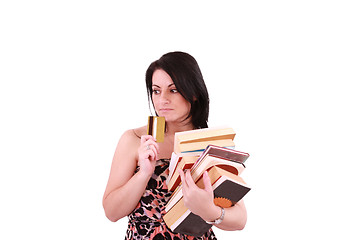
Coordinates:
[186,75]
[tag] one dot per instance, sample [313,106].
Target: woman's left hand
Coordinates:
[199,201]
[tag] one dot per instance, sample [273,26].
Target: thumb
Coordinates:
[207,182]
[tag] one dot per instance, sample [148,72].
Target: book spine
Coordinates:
[226,153]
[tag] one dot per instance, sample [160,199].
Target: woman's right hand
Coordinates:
[148,154]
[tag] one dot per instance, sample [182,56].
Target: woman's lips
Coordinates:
[166,110]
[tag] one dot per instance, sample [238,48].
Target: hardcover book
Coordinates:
[179,162]
[228,190]
[228,159]
[198,140]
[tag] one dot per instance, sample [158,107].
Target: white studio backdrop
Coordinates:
[283,74]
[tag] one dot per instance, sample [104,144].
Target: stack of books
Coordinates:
[212,151]
[189,145]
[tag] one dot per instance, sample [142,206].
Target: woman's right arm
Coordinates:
[124,188]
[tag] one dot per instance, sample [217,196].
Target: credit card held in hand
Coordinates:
[156,127]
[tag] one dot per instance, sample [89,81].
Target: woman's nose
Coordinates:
[165,97]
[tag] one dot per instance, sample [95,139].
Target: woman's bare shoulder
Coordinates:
[134,134]
[140,131]
[129,143]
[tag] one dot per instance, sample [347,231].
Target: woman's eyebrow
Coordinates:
[154,85]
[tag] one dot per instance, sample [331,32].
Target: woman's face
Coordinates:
[168,102]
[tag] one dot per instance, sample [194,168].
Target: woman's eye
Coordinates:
[156,91]
[174,90]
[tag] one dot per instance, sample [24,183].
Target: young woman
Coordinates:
[136,187]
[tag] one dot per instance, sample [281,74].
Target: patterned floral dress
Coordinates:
[146,222]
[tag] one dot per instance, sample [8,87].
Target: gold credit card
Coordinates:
[156,127]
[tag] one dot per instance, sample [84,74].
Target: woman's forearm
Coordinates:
[234,219]
[123,200]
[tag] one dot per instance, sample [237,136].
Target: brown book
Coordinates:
[228,159]
[228,190]
[197,140]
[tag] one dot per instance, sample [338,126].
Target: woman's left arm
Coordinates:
[201,202]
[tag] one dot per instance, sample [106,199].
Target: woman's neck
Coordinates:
[172,128]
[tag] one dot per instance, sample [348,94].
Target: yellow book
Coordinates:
[199,139]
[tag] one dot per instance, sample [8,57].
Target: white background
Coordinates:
[283,74]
